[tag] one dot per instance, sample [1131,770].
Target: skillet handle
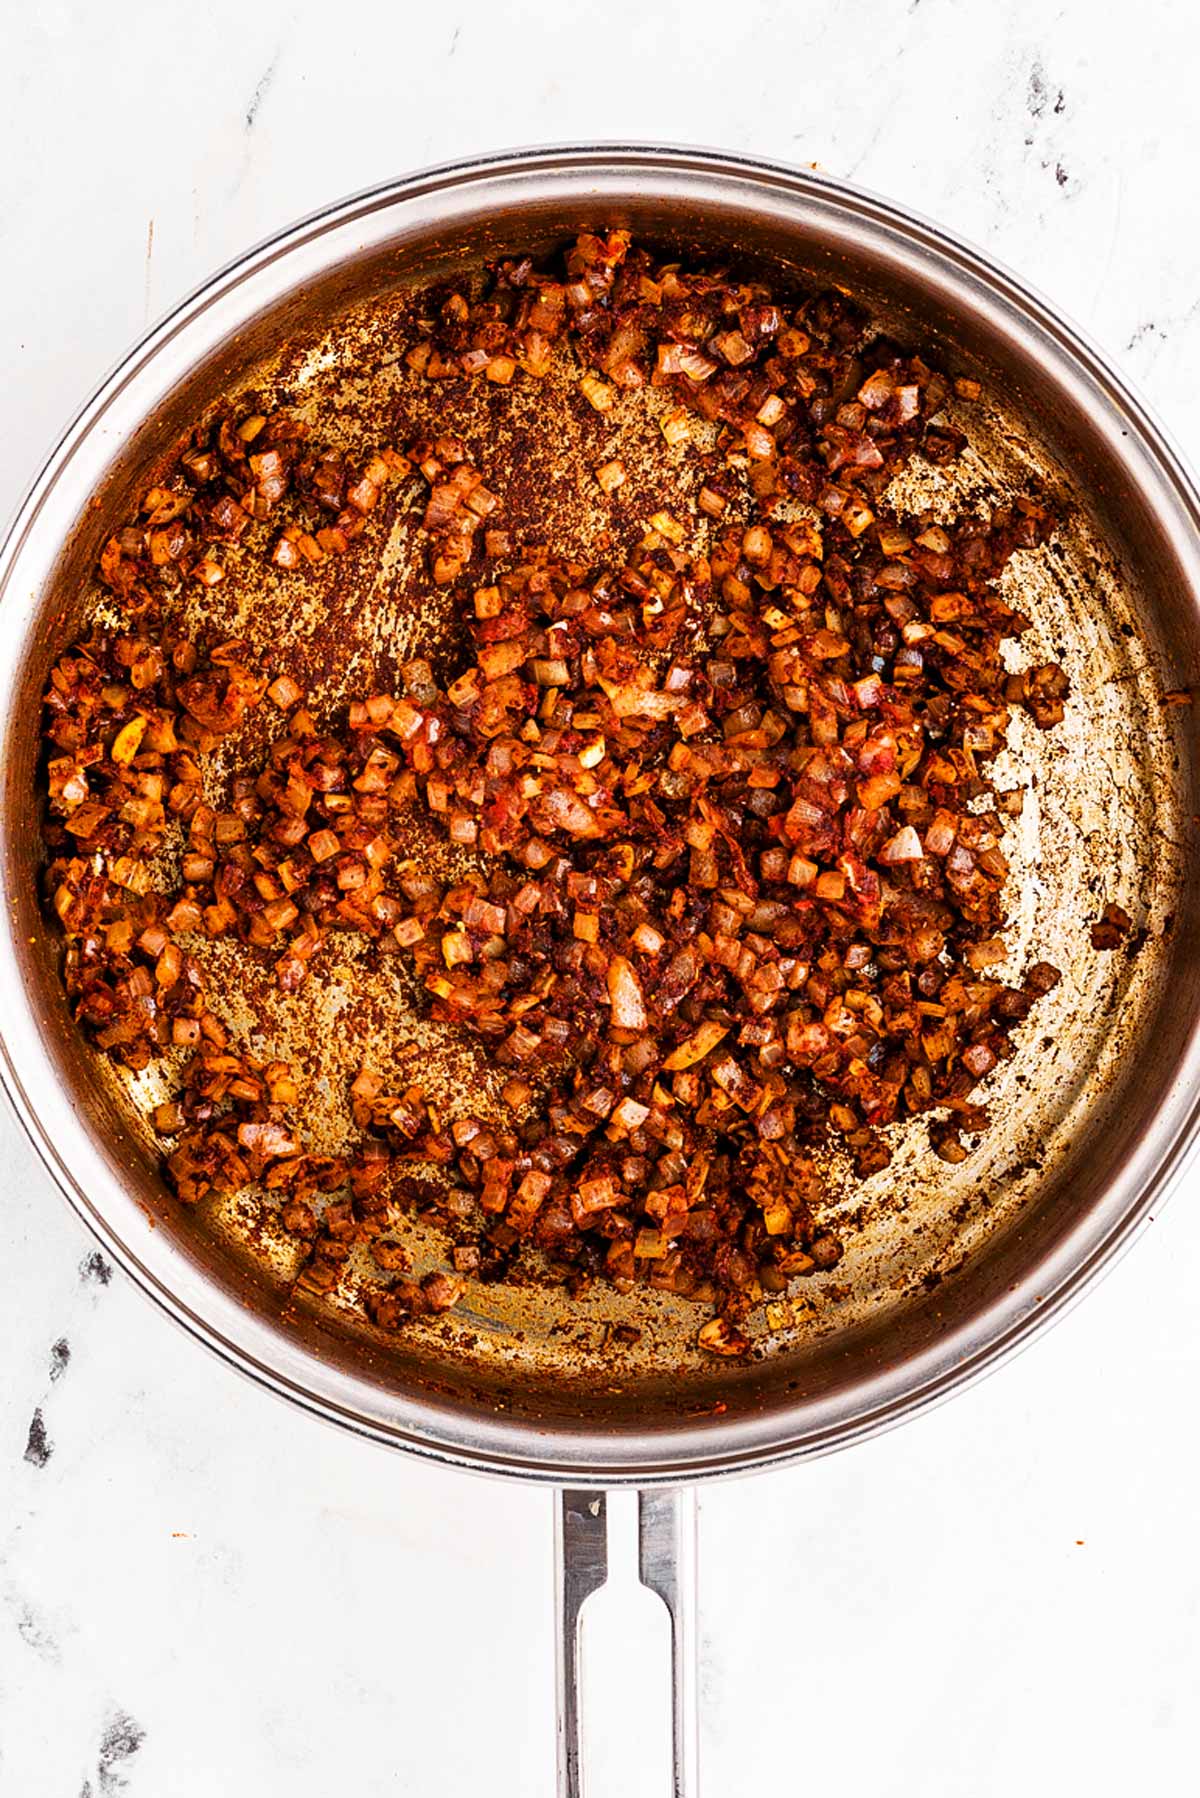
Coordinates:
[667,1567]
[581,1557]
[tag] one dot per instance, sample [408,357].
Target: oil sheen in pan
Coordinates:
[1099,823]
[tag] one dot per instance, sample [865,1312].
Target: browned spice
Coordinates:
[741,881]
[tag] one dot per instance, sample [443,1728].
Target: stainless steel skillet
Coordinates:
[949,1269]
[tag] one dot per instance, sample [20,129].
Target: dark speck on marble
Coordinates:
[38,1447]
[260,92]
[1148,328]
[120,1742]
[60,1358]
[94,1270]
[32,1631]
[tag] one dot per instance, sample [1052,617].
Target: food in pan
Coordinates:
[724,892]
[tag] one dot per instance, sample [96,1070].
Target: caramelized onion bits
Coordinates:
[1112,928]
[735,905]
[458,505]
[235,482]
[826,407]
[738,894]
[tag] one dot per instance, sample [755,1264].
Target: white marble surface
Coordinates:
[202,1592]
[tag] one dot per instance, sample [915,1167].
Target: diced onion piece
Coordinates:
[940,834]
[720,1337]
[987,953]
[625,995]
[668,527]
[697,1046]
[322,844]
[674,426]
[650,1245]
[611,475]
[128,739]
[757,545]
[629,1115]
[527,1201]
[284,692]
[856,516]
[597,393]
[905,846]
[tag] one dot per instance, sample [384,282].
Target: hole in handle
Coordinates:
[626,1572]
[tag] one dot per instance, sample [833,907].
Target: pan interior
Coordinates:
[1106,819]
